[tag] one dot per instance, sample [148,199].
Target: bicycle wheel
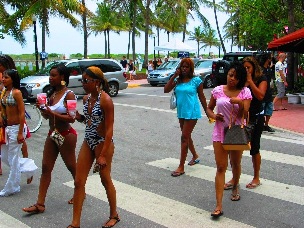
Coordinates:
[33,117]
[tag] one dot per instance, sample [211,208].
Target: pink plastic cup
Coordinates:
[41,99]
[71,104]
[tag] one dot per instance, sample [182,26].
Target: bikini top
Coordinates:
[97,114]
[9,100]
[59,106]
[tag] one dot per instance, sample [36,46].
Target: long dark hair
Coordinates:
[14,76]
[7,62]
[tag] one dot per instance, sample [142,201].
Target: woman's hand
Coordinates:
[177,72]
[100,164]
[20,139]
[235,100]
[219,117]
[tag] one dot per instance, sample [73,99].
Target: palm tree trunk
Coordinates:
[290,56]
[198,48]
[134,30]
[157,30]
[105,38]
[44,18]
[108,32]
[184,31]
[218,29]
[129,43]
[147,23]
[85,31]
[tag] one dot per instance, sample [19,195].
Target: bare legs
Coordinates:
[221,159]
[187,127]
[84,164]
[275,100]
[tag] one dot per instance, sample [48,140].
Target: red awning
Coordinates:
[293,42]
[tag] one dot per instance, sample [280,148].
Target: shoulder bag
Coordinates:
[237,137]
[173,100]
[56,136]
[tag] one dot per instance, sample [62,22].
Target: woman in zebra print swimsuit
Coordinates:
[98,143]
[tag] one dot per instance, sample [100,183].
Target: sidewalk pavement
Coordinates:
[291,119]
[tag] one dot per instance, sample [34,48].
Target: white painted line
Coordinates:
[7,221]
[281,191]
[156,208]
[274,156]
[281,139]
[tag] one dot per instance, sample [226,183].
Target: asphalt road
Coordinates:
[147,147]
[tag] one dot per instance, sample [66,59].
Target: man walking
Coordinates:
[281,82]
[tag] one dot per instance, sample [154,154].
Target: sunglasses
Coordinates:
[86,81]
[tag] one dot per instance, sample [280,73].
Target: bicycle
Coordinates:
[33,117]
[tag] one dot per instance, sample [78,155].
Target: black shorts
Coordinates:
[256,134]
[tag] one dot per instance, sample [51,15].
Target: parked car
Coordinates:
[113,71]
[164,72]
[203,69]
[220,67]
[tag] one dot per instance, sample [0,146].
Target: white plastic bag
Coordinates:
[173,100]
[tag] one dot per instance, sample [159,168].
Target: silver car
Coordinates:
[164,72]
[113,71]
[203,69]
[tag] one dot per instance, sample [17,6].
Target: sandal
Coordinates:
[235,195]
[71,226]
[34,209]
[217,213]
[117,219]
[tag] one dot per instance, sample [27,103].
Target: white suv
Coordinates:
[113,71]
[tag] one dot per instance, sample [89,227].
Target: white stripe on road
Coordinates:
[290,193]
[156,208]
[281,139]
[274,156]
[7,221]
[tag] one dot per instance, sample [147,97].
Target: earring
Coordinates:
[63,83]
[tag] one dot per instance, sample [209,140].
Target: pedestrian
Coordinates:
[59,121]
[124,62]
[281,82]
[13,119]
[150,66]
[232,96]
[257,83]
[6,62]
[265,63]
[189,91]
[98,143]
[132,69]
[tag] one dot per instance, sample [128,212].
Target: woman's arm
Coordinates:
[171,83]
[107,105]
[21,109]
[201,97]
[210,110]
[258,92]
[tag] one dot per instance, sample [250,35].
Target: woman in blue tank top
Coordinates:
[189,95]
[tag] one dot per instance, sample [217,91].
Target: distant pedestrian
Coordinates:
[265,63]
[124,62]
[189,95]
[281,82]
[150,66]
[132,69]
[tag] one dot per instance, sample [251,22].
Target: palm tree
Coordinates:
[209,38]
[43,10]
[106,20]
[198,36]
[218,28]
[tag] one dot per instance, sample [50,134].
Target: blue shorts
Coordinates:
[268,108]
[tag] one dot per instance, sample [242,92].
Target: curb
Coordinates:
[133,85]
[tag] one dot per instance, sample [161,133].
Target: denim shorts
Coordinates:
[268,108]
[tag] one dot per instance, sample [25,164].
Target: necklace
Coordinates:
[54,94]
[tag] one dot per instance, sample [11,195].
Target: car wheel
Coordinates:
[113,89]
[153,84]
[48,90]
[208,82]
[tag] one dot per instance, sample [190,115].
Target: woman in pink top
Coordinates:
[227,97]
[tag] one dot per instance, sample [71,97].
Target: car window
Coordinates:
[109,66]
[203,64]
[87,63]
[46,70]
[171,64]
[74,68]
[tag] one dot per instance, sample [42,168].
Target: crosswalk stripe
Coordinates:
[274,156]
[7,221]
[269,188]
[156,208]
[281,139]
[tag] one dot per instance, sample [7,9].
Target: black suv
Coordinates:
[220,67]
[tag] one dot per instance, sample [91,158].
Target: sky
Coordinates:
[66,40]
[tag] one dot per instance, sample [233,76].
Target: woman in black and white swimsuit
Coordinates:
[98,143]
